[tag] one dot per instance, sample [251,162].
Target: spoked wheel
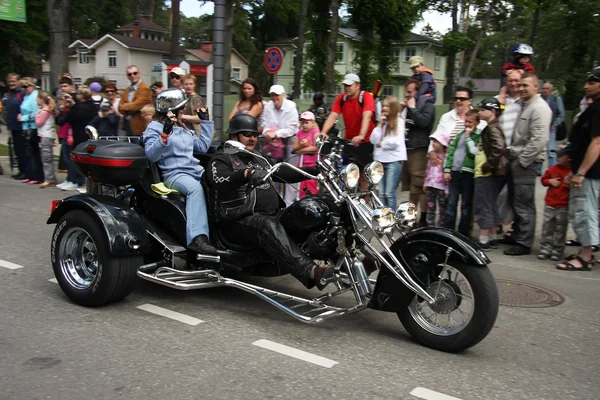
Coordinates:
[84,268]
[464,312]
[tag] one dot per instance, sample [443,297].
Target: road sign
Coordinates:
[273,60]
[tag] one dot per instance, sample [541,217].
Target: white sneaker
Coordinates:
[60,186]
[82,190]
[70,186]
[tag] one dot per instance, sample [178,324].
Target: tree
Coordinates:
[430,33]
[59,22]
[332,48]
[175,22]
[300,51]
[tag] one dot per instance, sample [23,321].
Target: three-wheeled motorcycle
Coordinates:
[128,226]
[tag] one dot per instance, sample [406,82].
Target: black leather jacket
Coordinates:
[230,197]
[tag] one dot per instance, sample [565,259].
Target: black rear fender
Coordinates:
[123,226]
[420,251]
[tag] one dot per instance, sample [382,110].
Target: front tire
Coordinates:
[479,295]
[84,268]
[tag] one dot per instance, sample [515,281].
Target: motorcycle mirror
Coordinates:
[91,132]
[233,147]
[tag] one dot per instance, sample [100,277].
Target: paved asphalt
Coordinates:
[51,348]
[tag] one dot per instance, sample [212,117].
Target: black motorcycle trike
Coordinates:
[437,281]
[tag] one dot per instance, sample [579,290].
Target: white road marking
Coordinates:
[292,352]
[163,312]
[53,280]
[430,394]
[9,265]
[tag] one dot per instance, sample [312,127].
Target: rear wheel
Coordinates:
[464,313]
[85,270]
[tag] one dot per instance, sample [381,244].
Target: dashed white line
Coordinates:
[163,312]
[427,394]
[53,280]
[9,265]
[295,353]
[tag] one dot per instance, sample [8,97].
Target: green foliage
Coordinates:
[456,41]
[430,33]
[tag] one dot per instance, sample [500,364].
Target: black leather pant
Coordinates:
[266,232]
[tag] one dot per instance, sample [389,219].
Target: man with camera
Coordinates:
[107,121]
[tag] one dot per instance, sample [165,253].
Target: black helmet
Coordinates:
[318,96]
[242,123]
[491,103]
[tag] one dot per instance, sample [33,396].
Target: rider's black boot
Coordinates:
[201,244]
[323,272]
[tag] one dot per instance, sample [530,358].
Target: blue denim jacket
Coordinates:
[177,156]
[28,109]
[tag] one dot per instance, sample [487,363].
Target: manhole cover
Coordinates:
[526,295]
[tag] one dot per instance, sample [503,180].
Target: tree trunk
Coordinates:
[332,49]
[484,23]
[228,39]
[452,58]
[300,50]
[59,24]
[536,16]
[175,22]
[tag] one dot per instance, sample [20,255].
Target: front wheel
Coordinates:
[84,268]
[464,313]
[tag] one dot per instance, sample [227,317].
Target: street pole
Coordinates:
[218,65]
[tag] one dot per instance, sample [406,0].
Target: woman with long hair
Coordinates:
[44,119]
[29,107]
[390,149]
[250,101]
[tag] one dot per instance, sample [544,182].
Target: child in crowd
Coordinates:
[148,112]
[521,62]
[459,171]
[425,75]
[490,166]
[390,149]
[64,131]
[556,208]
[304,145]
[106,122]
[435,186]
[44,119]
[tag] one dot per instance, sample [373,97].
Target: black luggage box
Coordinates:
[110,162]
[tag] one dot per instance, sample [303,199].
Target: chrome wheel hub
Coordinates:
[78,258]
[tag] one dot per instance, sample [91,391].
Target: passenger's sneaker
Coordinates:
[70,186]
[543,256]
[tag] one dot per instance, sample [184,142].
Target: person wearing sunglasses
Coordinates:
[136,96]
[584,178]
[172,146]
[176,77]
[247,208]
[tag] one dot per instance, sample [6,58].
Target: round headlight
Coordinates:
[374,172]
[406,215]
[382,220]
[350,175]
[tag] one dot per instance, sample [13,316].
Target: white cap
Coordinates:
[178,71]
[277,89]
[349,79]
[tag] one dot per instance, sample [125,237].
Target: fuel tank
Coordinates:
[306,215]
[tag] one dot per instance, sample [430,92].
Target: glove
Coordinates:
[256,177]
[168,126]
[203,114]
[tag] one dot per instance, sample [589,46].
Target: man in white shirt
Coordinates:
[280,120]
[512,106]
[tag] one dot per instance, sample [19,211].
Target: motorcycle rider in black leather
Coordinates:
[319,109]
[248,209]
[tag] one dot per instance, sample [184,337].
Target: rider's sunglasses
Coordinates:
[249,134]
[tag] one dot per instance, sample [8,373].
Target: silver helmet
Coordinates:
[171,100]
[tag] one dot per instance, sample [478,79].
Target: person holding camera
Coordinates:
[29,107]
[107,121]
[172,145]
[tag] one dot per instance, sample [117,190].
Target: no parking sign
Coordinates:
[273,60]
